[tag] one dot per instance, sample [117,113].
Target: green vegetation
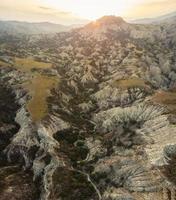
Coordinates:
[12,178]
[69,184]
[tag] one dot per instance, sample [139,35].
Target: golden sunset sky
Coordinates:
[80,11]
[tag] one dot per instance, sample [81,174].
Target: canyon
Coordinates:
[89,114]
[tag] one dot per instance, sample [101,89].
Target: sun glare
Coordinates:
[91,9]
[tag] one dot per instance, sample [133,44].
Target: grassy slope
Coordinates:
[27,64]
[38,85]
[130,83]
[166,98]
[39,88]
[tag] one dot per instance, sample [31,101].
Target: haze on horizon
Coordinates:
[81,11]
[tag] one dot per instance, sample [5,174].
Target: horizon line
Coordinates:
[86,20]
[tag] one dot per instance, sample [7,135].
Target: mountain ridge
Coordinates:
[22,27]
[162,18]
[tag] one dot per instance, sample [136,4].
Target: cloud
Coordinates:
[52,10]
[58,16]
[152,8]
[29,10]
[45,8]
[35,13]
[161,3]
[49,10]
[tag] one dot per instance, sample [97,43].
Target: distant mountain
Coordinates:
[16,27]
[109,20]
[105,24]
[164,18]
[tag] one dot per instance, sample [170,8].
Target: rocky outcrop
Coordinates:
[15,183]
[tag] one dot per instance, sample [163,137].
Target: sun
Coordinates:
[90,9]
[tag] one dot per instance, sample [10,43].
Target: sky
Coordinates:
[81,11]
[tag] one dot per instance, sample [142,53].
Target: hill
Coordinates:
[16,27]
[161,19]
